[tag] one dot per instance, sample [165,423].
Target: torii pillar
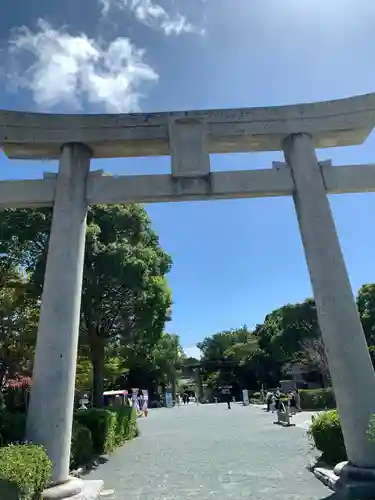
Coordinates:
[51,406]
[349,361]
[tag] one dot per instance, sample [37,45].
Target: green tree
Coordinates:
[366,309]
[125,296]
[167,360]
[285,329]
[226,358]
[219,347]
[249,359]
[153,365]
[315,357]
[18,323]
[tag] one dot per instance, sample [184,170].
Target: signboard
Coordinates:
[245,397]
[145,400]
[168,399]
[135,402]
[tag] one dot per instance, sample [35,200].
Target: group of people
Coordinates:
[184,398]
[275,403]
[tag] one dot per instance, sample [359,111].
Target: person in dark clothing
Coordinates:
[229,400]
[269,400]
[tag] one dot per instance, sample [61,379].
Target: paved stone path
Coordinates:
[209,453]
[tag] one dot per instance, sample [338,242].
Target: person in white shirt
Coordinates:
[269,400]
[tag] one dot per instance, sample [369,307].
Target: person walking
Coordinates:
[229,400]
[292,403]
[277,399]
[269,400]
[298,400]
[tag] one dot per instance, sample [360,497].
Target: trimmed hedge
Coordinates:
[109,427]
[326,433]
[94,432]
[82,448]
[317,399]
[25,471]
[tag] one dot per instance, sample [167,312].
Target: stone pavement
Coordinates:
[208,452]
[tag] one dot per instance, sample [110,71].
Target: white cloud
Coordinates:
[152,14]
[70,70]
[192,352]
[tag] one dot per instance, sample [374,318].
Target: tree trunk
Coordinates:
[174,388]
[326,379]
[97,359]
[3,373]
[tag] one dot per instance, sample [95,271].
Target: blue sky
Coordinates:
[234,261]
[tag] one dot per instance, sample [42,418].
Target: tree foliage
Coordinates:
[153,365]
[366,309]
[125,296]
[18,323]
[247,359]
[126,303]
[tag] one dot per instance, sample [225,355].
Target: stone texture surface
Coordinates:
[91,491]
[340,122]
[65,490]
[76,489]
[208,452]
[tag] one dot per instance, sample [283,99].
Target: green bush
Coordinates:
[81,450]
[325,430]
[25,471]
[101,424]
[109,428]
[2,403]
[12,427]
[371,428]
[126,426]
[317,399]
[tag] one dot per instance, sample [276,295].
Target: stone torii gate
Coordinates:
[189,138]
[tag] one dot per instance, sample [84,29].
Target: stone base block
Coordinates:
[75,489]
[348,481]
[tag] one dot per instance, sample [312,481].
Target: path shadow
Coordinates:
[332,496]
[93,465]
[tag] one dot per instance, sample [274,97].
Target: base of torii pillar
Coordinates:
[348,481]
[77,489]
